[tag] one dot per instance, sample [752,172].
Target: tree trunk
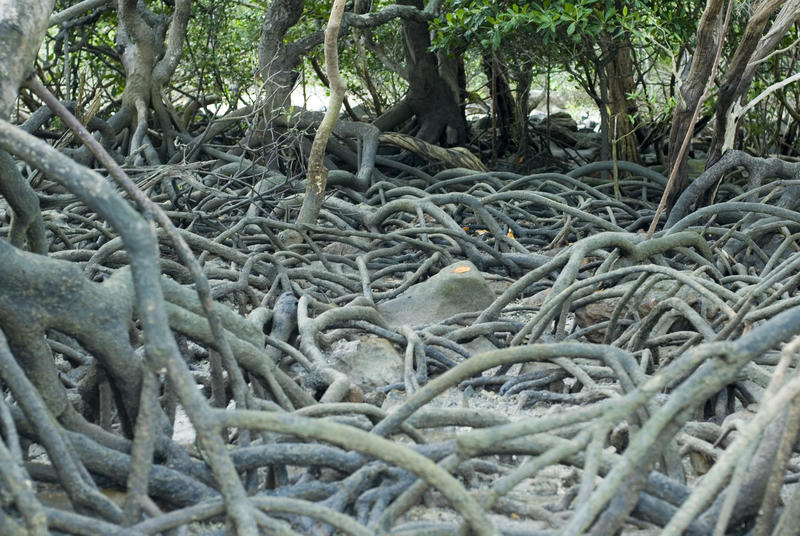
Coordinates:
[276,67]
[753,46]
[523,77]
[317,174]
[23,24]
[23,27]
[619,75]
[602,106]
[149,63]
[429,97]
[451,70]
[502,103]
[709,31]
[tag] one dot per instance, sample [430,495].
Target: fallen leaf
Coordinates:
[461,269]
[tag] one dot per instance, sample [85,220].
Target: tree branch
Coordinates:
[368,20]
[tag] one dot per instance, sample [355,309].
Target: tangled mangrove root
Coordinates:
[606,375]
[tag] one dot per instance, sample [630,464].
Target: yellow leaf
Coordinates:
[461,269]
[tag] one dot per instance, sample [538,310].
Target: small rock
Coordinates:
[484,123]
[602,310]
[479,345]
[375,398]
[343,248]
[589,140]
[563,119]
[537,300]
[355,395]
[369,363]
[458,288]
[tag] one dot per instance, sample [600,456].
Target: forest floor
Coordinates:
[521,331]
[566,262]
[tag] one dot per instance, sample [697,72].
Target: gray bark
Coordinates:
[152,46]
[22,28]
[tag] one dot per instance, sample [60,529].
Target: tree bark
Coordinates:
[429,97]
[317,174]
[523,76]
[502,103]
[709,35]
[149,63]
[22,28]
[276,67]
[753,46]
[619,74]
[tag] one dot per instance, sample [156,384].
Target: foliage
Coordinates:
[91,61]
[566,33]
[220,52]
[552,23]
